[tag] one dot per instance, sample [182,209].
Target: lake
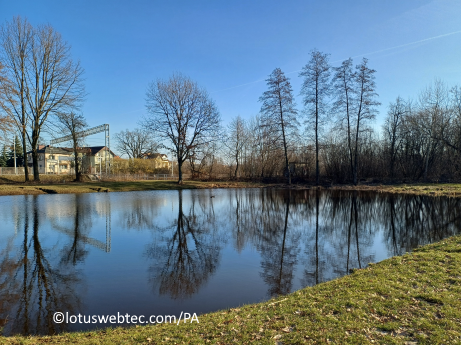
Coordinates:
[195,251]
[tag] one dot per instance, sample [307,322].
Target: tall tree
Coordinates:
[16,40]
[278,110]
[136,143]
[45,78]
[236,141]
[315,89]
[355,103]
[183,115]
[72,124]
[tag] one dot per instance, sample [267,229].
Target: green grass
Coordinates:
[411,299]
[435,189]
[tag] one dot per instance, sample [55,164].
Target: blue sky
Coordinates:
[230,47]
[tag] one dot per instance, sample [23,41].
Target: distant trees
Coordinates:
[393,130]
[315,89]
[45,80]
[183,115]
[278,111]
[12,153]
[3,156]
[136,143]
[15,154]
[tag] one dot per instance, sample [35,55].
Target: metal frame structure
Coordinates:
[94,130]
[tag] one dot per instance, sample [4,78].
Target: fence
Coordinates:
[136,177]
[10,171]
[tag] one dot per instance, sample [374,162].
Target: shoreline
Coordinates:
[56,187]
[404,300]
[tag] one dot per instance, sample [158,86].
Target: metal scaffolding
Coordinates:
[95,130]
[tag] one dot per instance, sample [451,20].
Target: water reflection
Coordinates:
[35,282]
[205,250]
[279,248]
[188,252]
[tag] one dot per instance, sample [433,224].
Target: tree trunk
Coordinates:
[317,172]
[236,166]
[356,150]
[392,159]
[349,144]
[35,163]
[24,150]
[78,173]
[287,167]
[180,181]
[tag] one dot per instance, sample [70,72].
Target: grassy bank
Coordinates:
[59,184]
[435,189]
[412,299]
[59,187]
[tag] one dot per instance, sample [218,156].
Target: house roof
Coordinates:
[155,155]
[66,150]
[56,150]
[96,149]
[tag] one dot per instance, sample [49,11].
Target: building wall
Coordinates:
[53,163]
[61,163]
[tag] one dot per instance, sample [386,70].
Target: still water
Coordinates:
[197,251]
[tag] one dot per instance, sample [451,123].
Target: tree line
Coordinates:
[329,138]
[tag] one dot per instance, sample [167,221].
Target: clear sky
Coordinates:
[230,47]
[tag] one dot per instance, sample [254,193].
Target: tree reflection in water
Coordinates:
[189,251]
[279,247]
[283,240]
[35,282]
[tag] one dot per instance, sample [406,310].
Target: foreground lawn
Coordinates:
[412,299]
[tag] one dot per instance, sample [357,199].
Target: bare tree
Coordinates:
[236,140]
[433,118]
[16,39]
[74,123]
[393,127]
[135,144]
[355,104]
[452,135]
[54,83]
[316,88]
[279,110]
[183,115]
[6,122]
[46,80]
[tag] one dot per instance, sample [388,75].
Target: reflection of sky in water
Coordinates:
[163,252]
